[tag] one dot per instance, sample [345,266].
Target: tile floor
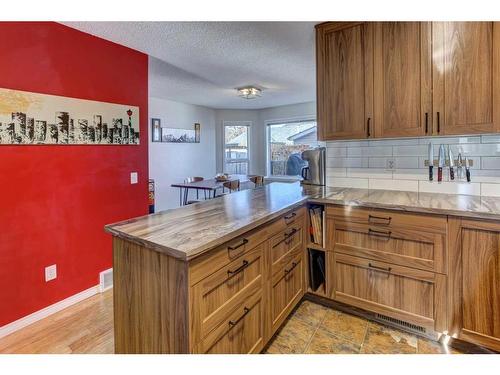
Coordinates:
[317,329]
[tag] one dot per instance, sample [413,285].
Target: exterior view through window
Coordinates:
[236,157]
[286,141]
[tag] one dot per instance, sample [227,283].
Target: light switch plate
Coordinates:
[133,177]
[51,272]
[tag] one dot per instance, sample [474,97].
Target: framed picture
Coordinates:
[197,133]
[175,135]
[155,130]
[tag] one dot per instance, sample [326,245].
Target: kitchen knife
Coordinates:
[451,164]
[431,162]
[460,174]
[441,163]
[467,169]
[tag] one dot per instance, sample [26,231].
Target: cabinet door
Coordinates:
[402,73]
[476,282]
[466,77]
[286,291]
[408,294]
[344,80]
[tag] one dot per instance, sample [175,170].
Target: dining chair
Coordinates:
[257,180]
[233,185]
[188,180]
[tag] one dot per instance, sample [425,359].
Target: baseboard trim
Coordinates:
[47,311]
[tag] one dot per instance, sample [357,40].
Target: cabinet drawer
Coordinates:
[201,267]
[205,265]
[403,293]
[240,333]
[283,245]
[406,247]
[388,218]
[286,291]
[218,294]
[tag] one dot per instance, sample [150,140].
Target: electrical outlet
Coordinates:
[133,177]
[51,272]
[390,164]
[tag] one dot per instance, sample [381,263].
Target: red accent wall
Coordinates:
[55,200]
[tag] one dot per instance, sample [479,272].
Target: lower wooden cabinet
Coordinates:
[475,281]
[241,333]
[286,291]
[403,293]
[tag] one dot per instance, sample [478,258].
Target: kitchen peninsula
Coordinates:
[222,276]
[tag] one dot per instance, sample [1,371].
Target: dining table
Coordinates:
[209,186]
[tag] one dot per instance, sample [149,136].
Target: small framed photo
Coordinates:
[197,133]
[155,130]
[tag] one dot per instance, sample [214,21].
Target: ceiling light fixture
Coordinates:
[249,92]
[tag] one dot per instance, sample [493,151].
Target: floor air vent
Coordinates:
[106,280]
[400,323]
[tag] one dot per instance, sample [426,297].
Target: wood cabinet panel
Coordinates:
[466,77]
[406,247]
[475,281]
[400,292]
[344,79]
[287,289]
[241,333]
[403,84]
[218,294]
[388,218]
[283,245]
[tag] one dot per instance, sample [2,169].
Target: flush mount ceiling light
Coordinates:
[249,92]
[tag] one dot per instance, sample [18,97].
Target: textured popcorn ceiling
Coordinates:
[203,62]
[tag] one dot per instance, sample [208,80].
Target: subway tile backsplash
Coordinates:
[398,164]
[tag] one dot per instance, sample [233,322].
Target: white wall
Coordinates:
[259,118]
[172,162]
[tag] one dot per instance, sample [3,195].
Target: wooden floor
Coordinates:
[87,327]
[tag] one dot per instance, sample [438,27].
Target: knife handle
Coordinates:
[452,173]
[467,174]
[440,174]
[431,174]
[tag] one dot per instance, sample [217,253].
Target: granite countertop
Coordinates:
[190,231]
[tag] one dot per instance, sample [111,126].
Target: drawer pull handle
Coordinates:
[291,216]
[388,269]
[379,233]
[286,236]
[239,269]
[244,241]
[233,323]
[291,268]
[388,219]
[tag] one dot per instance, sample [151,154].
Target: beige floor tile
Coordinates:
[432,347]
[346,326]
[324,342]
[311,313]
[388,340]
[293,338]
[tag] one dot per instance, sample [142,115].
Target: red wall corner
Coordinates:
[55,200]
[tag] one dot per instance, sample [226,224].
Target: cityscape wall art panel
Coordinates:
[28,118]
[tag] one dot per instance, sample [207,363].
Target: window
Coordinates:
[286,141]
[236,158]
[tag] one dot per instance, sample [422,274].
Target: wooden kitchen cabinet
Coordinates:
[390,263]
[402,79]
[344,68]
[407,79]
[466,57]
[475,281]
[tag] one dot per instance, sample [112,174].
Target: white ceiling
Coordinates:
[203,62]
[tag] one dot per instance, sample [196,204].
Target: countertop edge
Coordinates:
[187,256]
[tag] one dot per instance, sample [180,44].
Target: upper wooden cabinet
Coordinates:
[344,79]
[407,79]
[466,77]
[403,80]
